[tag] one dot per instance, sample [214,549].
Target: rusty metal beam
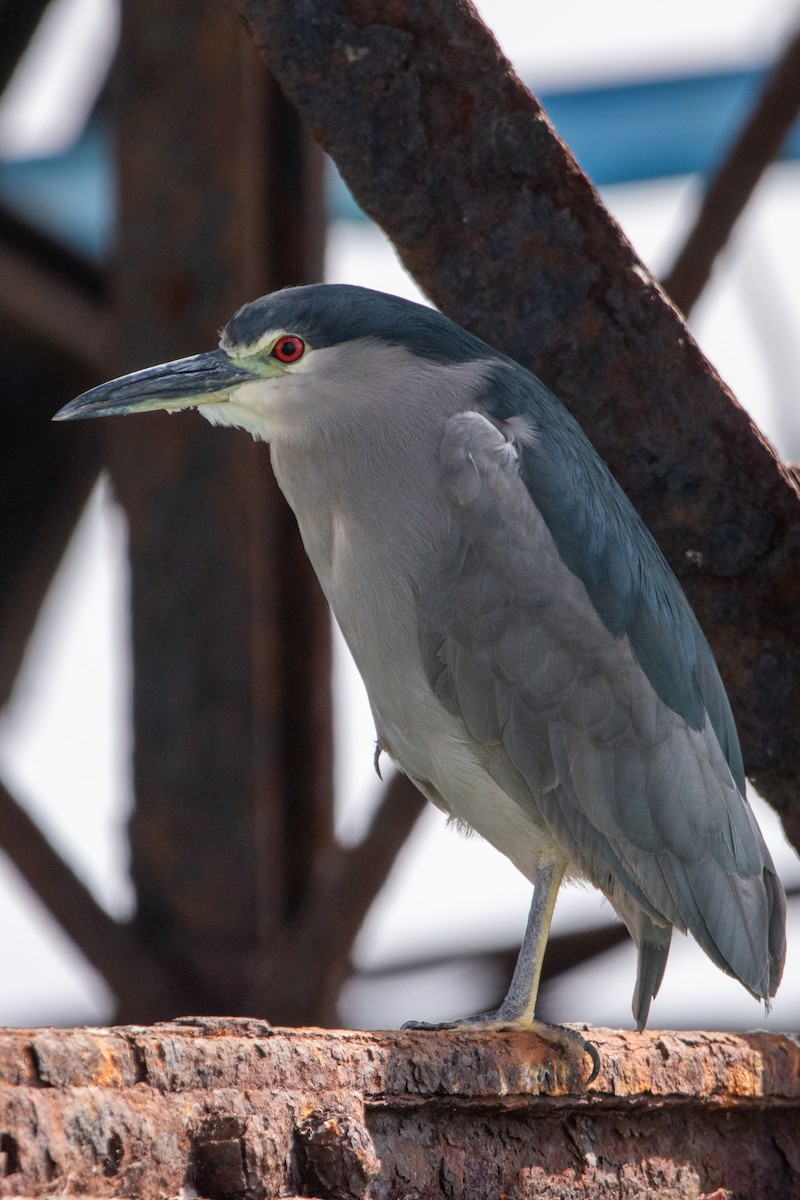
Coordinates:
[219,202]
[18,24]
[756,146]
[110,946]
[45,480]
[302,970]
[56,296]
[240,1109]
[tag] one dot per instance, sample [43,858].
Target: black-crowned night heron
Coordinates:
[531,661]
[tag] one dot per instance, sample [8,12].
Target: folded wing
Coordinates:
[577,666]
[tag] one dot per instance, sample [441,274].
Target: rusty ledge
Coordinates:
[407,1067]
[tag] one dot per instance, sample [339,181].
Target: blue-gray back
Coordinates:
[602,539]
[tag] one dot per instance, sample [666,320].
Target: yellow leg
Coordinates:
[518,1007]
[520,1002]
[517,1010]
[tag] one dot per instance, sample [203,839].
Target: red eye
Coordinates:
[288,349]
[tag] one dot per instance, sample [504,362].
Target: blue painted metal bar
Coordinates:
[658,127]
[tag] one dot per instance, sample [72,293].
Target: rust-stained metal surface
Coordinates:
[233,741]
[239,1109]
[446,149]
[728,192]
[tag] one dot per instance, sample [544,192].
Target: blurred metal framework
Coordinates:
[244,901]
[246,904]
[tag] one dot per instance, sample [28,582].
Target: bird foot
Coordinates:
[566,1038]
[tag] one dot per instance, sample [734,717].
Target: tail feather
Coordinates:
[653,942]
[776,900]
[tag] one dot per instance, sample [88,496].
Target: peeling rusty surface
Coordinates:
[235,1109]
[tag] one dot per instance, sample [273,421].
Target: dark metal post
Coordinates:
[220,201]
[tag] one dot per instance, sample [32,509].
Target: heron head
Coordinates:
[246,382]
[285,352]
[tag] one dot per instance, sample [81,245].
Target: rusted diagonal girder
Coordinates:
[110,946]
[756,146]
[444,147]
[303,968]
[45,477]
[56,340]
[56,296]
[18,24]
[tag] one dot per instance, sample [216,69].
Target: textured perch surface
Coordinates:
[224,1108]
